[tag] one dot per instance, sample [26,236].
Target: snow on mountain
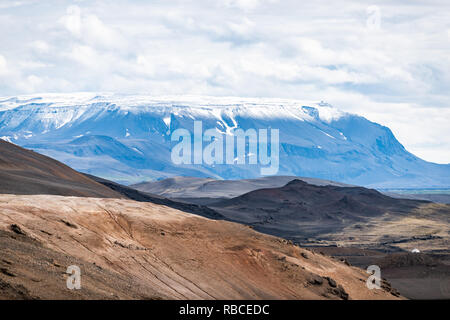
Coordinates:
[126,138]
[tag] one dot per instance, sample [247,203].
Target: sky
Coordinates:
[386,60]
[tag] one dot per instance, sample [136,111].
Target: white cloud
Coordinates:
[40,46]
[72,20]
[243,4]
[89,29]
[86,56]
[6,4]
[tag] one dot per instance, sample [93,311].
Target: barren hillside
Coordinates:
[26,172]
[128,249]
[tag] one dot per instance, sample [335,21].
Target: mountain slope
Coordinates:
[127,139]
[133,250]
[26,172]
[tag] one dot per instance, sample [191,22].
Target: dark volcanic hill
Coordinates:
[300,211]
[26,172]
[300,201]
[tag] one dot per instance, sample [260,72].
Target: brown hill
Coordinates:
[25,172]
[127,249]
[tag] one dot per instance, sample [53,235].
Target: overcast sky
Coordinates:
[388,62]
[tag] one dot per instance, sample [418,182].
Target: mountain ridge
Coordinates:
[316,139]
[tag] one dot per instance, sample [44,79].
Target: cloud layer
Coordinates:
[388,62]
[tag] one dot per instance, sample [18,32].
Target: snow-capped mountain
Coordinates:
[128,138]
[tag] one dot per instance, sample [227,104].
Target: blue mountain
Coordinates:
[127,138]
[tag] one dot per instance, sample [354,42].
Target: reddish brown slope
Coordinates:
[129,249]
[25,172]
